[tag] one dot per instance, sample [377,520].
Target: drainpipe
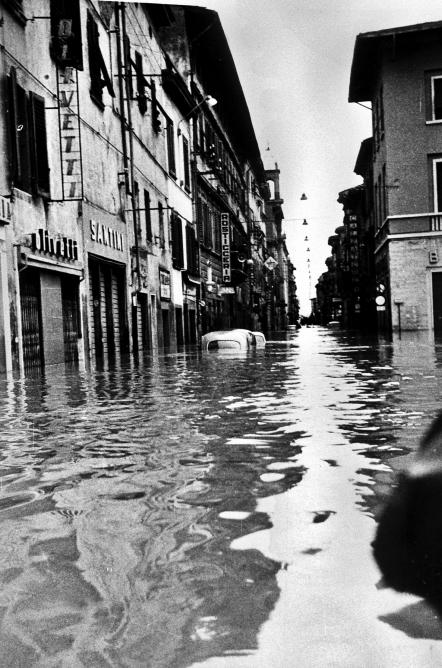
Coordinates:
[126,126]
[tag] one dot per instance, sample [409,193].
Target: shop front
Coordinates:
[107,312]
[49,275]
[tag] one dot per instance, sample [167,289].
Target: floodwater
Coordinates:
[213,510]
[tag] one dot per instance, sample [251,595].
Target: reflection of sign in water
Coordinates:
[164,284]
[270,263]
[225,247]
[69,120]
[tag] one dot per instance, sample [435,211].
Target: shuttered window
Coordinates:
[171,147]
[162,231]
[38,145]
[177,243]
[199,219]
[28,141]
[192,251]
[186,166]
[147,216]
[141,83]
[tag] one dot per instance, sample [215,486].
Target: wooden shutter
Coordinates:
[199,219]
[38,145]
[141,83]
[147,216]
[128,64]
[177,243]
[186,164]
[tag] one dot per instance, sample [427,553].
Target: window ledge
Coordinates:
[435,122]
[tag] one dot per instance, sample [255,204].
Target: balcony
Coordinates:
[411,224]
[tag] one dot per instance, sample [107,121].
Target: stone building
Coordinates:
[131,208]
[399,72]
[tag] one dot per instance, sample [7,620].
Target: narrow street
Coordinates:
[213,510]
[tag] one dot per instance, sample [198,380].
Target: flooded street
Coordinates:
[213,510]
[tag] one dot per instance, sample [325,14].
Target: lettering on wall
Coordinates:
[225,248]
[102,234]
[63,247]
[70,144]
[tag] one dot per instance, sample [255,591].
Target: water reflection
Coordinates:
[195,506]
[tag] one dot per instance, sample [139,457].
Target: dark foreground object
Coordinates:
[408,544]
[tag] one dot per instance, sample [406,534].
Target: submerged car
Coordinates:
[260,339]
[231,339]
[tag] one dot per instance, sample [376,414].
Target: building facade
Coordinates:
[131,208]
[399,72]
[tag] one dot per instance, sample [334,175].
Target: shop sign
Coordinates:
[270,263]
[102,234]
[63,247]
[164,284]
[225,248]
[226,290]
[69,123]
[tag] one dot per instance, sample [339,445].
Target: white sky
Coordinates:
[293,59]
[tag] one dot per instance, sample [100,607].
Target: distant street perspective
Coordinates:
[209,456]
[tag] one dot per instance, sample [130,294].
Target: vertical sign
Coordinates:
[225,247]
[69,122]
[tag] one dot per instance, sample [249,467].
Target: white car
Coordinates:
[228,339]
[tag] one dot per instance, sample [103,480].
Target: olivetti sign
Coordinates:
[63,247]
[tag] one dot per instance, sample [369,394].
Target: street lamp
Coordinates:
[208,99]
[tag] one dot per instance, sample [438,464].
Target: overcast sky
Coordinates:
[293,58]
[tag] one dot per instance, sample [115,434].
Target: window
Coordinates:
[97,69]
[141,83]
[186,164]
[38,145]
[177,243]
[137,209]
[156,120]
[436,98]
[171,147]
[217,231]
[29,156]
[162,231]
[192,251]
[147,216]
[437,184]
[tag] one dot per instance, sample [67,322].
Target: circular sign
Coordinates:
[380,300]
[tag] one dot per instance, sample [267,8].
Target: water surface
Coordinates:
[213,510]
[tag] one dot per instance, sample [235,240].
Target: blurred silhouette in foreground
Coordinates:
[408,543]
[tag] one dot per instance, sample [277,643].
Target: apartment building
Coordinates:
[132,187]
[400,72]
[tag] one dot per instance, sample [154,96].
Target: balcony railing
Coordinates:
[419,223]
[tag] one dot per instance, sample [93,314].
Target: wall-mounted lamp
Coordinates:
[208,99]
